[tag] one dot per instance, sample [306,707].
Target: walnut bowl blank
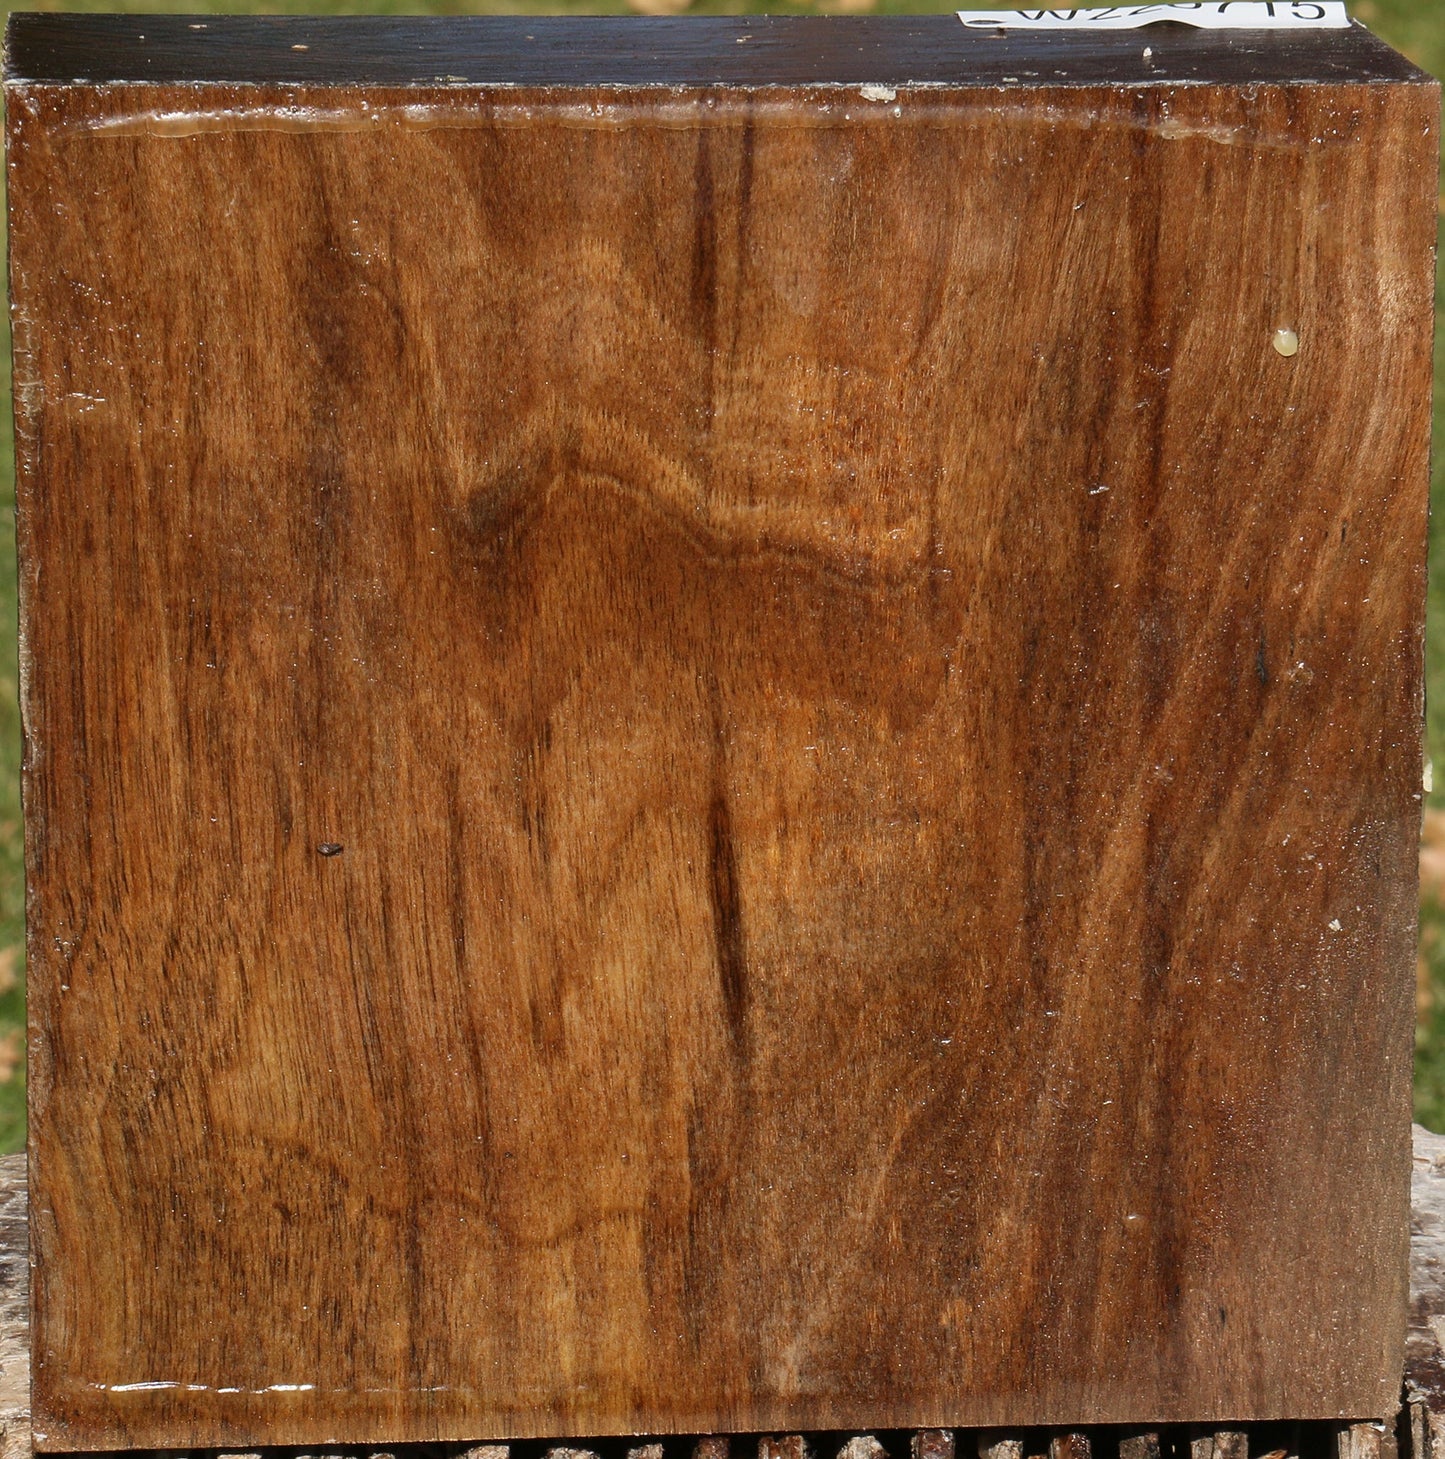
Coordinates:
[715,739]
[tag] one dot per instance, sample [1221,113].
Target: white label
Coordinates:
[1207,14]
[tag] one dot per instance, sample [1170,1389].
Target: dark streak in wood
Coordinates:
[727,912]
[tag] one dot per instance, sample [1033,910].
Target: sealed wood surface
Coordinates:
[1370,1440]
[704,759]
[687,50]
[1362,1441]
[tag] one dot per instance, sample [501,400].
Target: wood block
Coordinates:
[1145,1444]
[1360,1441]
[714,743]
[783,1446]
[1216,1444]
[862,1446]
[992,1444]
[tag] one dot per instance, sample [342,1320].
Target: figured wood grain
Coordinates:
[1421,1370]
[709,759]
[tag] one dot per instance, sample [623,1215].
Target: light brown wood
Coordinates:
[992,1444]
[860,1446]
[1361,1441]
[704,760]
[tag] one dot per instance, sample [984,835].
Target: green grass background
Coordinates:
[1416,27]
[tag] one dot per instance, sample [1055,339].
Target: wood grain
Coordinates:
[716,760]
[1425,1333]
[1421,1368]
[15,1441]
[1221,1444]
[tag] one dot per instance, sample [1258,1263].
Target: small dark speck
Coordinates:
[1223,1316]
[329,848]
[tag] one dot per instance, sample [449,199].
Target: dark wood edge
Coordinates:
[748,51]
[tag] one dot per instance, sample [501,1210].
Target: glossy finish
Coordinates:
[754,50]
[721,759]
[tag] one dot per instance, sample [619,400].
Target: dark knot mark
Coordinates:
[727,916]
[329,848]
